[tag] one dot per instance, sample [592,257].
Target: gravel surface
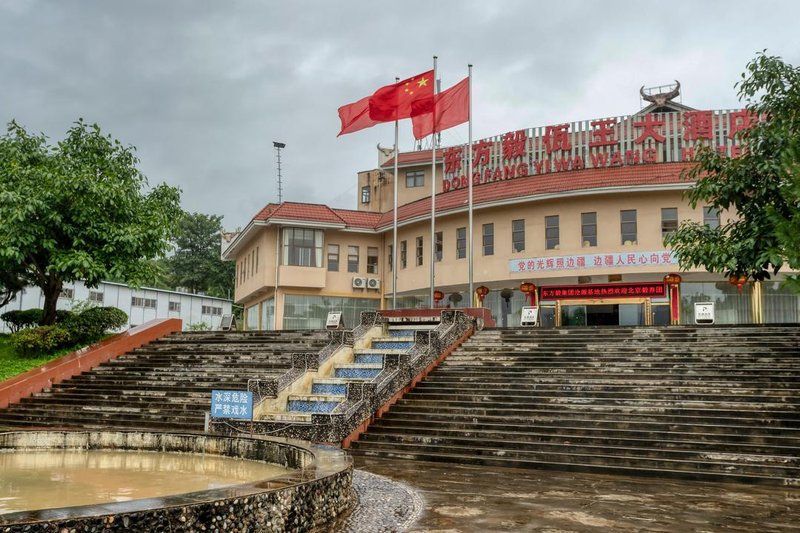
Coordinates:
[383,505]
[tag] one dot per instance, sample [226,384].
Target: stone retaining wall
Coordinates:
[318,491]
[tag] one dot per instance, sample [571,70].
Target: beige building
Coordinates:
[578,209]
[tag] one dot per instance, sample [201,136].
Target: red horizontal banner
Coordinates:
[611,290]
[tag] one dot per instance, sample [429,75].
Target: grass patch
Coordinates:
[11,364]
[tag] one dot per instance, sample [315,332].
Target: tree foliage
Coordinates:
[78,211]
[761,188]
[196,263]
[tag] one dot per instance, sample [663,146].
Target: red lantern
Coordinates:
[672,279]
[739,281]
[438,296]
[529,289]
[482,291]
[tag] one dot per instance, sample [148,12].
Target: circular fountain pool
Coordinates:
[134,481]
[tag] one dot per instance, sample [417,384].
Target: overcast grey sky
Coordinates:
[203,87]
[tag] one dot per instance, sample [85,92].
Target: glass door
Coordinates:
[573,315]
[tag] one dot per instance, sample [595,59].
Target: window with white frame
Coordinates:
[147,303]
[96,297]
[213,310]
[302,247]
[415,178]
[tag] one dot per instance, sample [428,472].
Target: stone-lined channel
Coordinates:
[313,491]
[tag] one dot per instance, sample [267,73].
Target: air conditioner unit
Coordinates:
[359,283]
[373,283]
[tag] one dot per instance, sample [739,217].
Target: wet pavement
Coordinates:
[444,498]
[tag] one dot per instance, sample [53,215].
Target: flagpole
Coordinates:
[469,182]
[395,251]
[433,190]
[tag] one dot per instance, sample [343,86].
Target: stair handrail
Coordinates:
[364,398]
[302,362]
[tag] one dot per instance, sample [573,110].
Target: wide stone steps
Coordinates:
[675,435]
[710,398]
[601,461]
[697,403]
[777,410]
[610,416]
[644,447]
[162,386]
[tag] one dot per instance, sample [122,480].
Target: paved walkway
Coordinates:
[445,498]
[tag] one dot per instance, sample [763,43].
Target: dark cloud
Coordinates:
[202,88]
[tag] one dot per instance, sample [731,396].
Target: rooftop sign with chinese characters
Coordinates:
[573,262]
[602,143]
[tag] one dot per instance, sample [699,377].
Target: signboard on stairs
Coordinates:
[529,316]
[232,404]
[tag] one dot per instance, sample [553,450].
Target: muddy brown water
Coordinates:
[63,478]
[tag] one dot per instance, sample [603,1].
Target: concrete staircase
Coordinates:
[714,403]
[165,385]
[328,393]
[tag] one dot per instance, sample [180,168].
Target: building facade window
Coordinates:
[711,217]
[551,233]
[627,226]
[518,235]
[147,303]
[213,310]
[589,229]
[415,178]
[333,258]
[439,238]
[669,220]
[96,296]
[365,194]
[268,314]
[372,260]
[352,258]
[419,251]
[69,294]
[488,239]
[403,254]
[302,247]
[175,307]
[310,312]
[390,259]
[461,243]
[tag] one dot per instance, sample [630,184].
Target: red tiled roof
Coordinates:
[358,219]
[557,182]
[537,185]
[299,211]
[408,158]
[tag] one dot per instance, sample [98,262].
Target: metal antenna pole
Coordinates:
[278,146]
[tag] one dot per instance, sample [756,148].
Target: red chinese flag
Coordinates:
[451,108]
[355,116]
[393,102]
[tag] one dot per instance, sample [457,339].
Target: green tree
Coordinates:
[78,211]
[196,263]
[760,188]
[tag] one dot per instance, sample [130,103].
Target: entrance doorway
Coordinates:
[628,314]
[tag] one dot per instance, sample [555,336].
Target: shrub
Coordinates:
[198,326]
[92,323]
[63,315]
[18,320]
[43,339]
